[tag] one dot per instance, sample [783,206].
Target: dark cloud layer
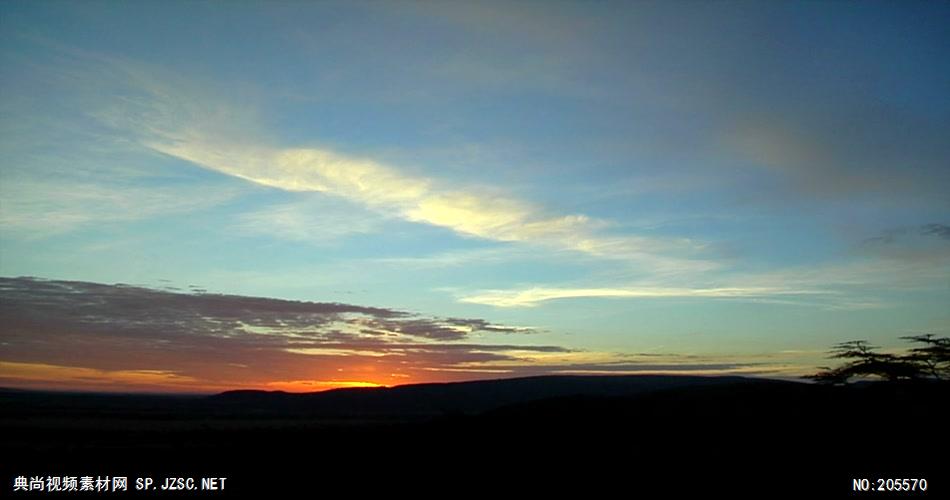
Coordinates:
[123,307]
[217,340]
[938,230]
[218,337]
[889,236]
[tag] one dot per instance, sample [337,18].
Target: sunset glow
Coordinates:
[370,194]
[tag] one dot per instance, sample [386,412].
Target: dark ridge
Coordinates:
[576,436]
[466,397]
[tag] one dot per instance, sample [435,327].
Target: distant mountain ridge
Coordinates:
[469,397]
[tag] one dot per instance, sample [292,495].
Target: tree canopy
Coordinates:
[930,359]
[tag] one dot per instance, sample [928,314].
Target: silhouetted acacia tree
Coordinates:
[933,357]
[930,360]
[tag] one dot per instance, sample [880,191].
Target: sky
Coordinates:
[200,196]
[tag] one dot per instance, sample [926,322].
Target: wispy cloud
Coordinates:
[534,296]
[62,171]
[469,212]
[458,258]
[42,208]
[312,220]
[178,118]
[182,118]
[858,283]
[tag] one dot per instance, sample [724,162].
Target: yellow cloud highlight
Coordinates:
[357,179]
[470,212]
[495,218]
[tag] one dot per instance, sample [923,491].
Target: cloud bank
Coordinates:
[122,337]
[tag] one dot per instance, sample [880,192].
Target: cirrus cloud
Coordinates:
[534,296]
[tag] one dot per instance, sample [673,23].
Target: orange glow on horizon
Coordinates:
[42,376]
[318,385]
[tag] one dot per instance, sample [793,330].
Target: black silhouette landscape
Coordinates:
[665,433]
[474,248]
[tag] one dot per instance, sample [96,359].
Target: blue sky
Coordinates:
[721,183]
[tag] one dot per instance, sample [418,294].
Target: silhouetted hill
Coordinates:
[578,436]
[465,397]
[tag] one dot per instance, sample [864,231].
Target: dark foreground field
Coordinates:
[586,437]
